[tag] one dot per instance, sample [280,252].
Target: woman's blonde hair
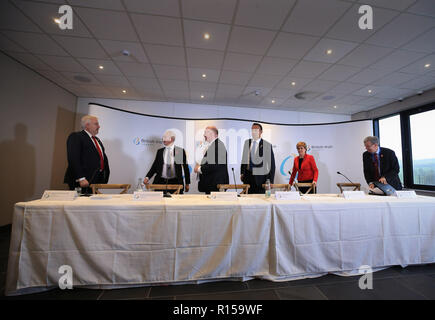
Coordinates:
[301,144]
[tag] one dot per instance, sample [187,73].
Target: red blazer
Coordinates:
[307,171]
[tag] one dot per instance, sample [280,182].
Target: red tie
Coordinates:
[375,164]
[99,152]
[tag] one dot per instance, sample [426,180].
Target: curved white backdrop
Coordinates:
[131,141]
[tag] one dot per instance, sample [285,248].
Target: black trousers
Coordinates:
[161,180]
[252,181]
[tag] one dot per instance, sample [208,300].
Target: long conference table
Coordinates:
[115,242]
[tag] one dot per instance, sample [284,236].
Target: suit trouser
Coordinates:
[254,187]
[161,180]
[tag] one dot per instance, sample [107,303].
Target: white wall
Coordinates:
[36,117]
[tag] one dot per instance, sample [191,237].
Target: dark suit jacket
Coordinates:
[180,162]
[213,167]
[389,167]
[263,162]
[84,160]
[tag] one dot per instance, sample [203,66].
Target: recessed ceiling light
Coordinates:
[427,65]
[124,91]
[202,96]
[329,51]
[56,20]
[293,83]
[204,75]
[206,36]
[335,107]
[273,101]
[101,67]
[370,91]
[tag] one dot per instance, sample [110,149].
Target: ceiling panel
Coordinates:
[200,58]
[36,43]
[309,69]
[93,66]
[241,62]
[196,74]
[249,40]
[234,77]
[63,63]
[339,72]
[157,7]
[158,30]
[315,17]
[81,47]
[347,27]
[339,50]
[365,55]
[276,66]
[404,28]
[293,46]
[8,45]
[423,7]
[396,4]
[44,14]
[31,61]
[135,69]
[394,79]
[173,56]
[102,4]
[108,25]
[397,60]
[263,13]
[194,34]
[115,50]
[210,10]
[422,66]
[171,72]
[423,43]
[12,18]
[367,76]
[264,80]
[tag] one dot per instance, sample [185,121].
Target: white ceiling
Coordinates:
[263,45]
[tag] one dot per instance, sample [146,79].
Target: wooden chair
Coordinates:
[284,186]
[95,187]
[311,186]
[163,187]
[355,186]
[243,187]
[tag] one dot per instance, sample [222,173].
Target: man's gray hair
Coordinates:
[372,139]
[86,119]
[170,134]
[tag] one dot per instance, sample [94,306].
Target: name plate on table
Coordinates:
[287,195]
[408,194]
[147,196]
[57,195]
[354,195]
[225,196]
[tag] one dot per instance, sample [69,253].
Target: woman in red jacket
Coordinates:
[305,166]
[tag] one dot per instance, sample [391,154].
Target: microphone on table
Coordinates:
[344,176]
[235,185]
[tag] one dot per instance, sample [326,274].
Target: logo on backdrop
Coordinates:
[146,142]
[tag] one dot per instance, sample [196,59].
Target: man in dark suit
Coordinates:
[87,160]
[258,161]
[169,164]
[212,169]
[380,164]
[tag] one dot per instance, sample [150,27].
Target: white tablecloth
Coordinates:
[190,238]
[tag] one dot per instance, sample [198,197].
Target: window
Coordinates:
[423,147]
[390,136]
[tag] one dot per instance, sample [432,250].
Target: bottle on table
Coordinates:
[140,185]
[267,188]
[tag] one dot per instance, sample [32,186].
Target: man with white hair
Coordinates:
[169,164]
[87,160]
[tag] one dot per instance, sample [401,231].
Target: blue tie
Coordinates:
[251,163]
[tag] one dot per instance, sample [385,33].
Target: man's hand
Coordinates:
[84,183]
[146,180]
[371,186]
[241,177]
[196,168]
[383,180]
[186,188]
